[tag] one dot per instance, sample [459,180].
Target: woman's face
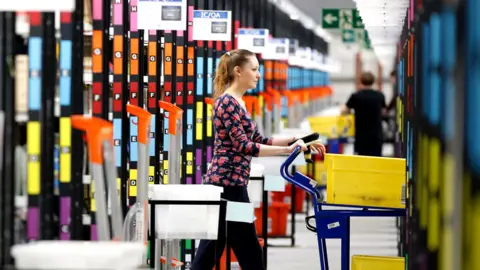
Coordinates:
[249,74]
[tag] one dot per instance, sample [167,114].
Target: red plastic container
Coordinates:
[277,219]
[286,197]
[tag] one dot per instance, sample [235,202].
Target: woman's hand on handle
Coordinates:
[300,143]
[318,147]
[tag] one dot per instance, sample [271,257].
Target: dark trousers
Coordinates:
[242,238]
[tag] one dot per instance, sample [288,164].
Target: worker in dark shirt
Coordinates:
[369,106]
[393,102]
[237,140]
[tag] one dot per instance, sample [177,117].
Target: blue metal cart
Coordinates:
[330,223]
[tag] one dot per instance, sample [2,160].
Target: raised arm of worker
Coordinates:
[349,106]
[384,106]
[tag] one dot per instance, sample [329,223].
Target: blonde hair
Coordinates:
[224,74]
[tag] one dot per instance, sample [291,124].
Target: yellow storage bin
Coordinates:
[302,169]
[320,172]
[346,124]
[363,262]
[333,126]
[365,181]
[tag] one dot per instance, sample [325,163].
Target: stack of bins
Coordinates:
[277,219]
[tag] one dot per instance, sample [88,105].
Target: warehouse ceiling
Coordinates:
[384,31]
[313,8]
[344,53]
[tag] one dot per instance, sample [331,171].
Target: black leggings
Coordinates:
[242,237]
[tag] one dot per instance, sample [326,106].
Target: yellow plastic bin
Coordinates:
[365,181]
[320,172]
[333,127]
[363,262]
[346,123]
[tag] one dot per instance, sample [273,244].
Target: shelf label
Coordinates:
[212,25]
[254,40]
[162,15]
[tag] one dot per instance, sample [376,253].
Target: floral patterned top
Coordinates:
[237,140]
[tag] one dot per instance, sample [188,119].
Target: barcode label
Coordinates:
[404,194]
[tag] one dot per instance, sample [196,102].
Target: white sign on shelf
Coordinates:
[35,5]
[293,46]
[254,40]
[212,25]
[304,53]
[162,15]
[277,49]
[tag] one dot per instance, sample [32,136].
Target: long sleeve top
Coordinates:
[237,140]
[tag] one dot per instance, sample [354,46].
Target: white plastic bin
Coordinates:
[271,164]
[186,221]
[81,255]
[255,187]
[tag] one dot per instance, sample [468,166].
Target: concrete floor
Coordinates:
[369,236]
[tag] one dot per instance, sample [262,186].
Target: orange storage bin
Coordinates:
[277,219]
[286,197]
[233,259]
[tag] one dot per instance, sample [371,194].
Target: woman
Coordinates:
[237,140]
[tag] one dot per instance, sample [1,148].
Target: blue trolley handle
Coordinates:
[284,168]
[287,176]
[306,139]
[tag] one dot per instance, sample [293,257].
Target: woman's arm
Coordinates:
[283,141]
[227,111]
[259,138]
[272,150]
[229,115]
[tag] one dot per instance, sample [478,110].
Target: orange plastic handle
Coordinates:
[175,261]
[175,113]
[98,130]
[277,98]
[329,90]
[144,118]
[209,100]
[268,100]
[289,96]
[256,106]
[249,103]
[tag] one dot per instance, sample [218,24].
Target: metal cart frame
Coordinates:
[331,224]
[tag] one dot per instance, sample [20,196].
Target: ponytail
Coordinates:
[222,77]
[224,74]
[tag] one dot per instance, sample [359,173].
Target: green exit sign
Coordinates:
[348,36]
[345,18]
[357,20]
[331,18]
